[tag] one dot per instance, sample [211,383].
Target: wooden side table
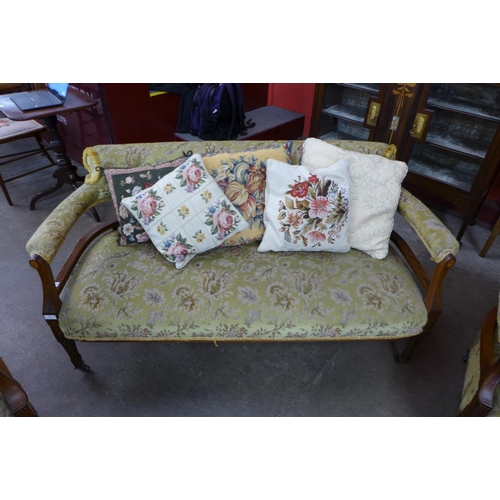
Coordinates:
[66,172]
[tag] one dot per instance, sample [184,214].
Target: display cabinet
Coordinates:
[447,133]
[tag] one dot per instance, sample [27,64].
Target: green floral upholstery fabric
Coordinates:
[96,158]
[472,375]
[435,235]
[51,234]
[237,293]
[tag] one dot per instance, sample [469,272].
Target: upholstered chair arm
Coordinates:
[437,238]
[51,234]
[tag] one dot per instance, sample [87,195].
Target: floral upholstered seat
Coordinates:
[237,293]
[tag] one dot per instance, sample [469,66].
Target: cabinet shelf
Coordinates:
[371,88]
[338,135]
[466,109]
[467,148]
[346,112]
[445,166]
[478,100]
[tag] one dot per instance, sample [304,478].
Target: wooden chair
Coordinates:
[13,400]
[481,393]
[13,131]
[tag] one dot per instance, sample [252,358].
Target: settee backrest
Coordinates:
[97,158]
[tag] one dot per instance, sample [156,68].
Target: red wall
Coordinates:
[296,97]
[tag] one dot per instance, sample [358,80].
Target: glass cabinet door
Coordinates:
[343,110]
[465,120]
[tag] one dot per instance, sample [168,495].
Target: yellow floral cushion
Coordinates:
[242,177]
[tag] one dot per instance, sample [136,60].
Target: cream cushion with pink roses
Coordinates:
[185,213]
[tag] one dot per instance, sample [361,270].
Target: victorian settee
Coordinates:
[108,290]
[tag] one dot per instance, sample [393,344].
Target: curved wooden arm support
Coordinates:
[432,285]
[482,403]
[51,301]
[412,260]
[14,394]
[81,246]
[52,287]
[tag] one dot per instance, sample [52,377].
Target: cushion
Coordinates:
[306,211]
[242,177]
[375,190]
[124,183]
[185,212]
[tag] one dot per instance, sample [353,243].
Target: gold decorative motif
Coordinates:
[373,113]
[402,91]
[419,126]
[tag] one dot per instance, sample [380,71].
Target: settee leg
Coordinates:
[405,356]
[70,347]
[76,358]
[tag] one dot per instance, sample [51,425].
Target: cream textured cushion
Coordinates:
[306,211]
[375,191]
[185,212]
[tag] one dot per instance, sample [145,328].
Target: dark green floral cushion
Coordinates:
[237,293]
[124,183]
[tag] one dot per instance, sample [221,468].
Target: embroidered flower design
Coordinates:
[191,175]
[168,188]
[183,211]
[206,196]
[221,219]
[199,236]
[147,206]
[161,228]
[299,190]
[176,248]
[315,211]
[320,208]
[128,229]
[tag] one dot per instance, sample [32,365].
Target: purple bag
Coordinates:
[217,112]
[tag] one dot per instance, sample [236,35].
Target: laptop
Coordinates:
[53,95]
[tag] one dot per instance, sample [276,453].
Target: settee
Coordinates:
[110,291]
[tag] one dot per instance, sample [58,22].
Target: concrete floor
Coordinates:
[169,379]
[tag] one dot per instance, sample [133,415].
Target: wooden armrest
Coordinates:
[52,287]
[490,371]
[432,285]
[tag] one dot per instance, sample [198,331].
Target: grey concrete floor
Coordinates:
[176,379]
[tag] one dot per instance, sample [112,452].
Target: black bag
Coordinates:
[217,112]
[186,91]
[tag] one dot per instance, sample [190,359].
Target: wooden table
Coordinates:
[66,172]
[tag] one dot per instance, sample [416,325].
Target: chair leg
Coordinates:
[5,192]
[493,235]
